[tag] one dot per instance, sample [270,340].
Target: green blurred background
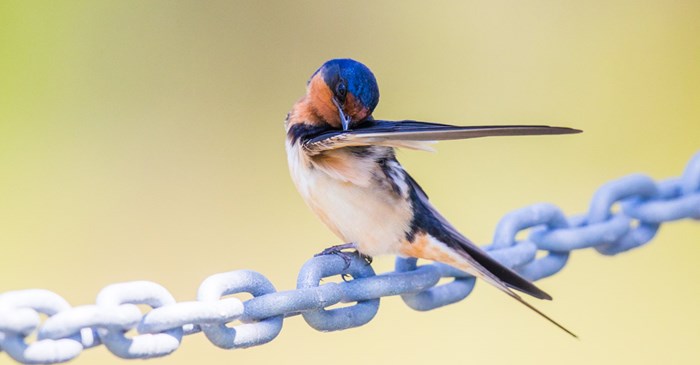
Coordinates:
[144,140]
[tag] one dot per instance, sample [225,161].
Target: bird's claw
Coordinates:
[346,256]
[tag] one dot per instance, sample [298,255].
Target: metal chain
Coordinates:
[644,205]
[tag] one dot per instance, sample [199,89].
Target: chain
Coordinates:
[643,206]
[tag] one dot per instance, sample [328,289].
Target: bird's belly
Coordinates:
[373,220]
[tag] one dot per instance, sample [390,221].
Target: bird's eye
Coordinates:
[340,91]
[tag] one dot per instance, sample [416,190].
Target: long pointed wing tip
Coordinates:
[545,296]
[566,130]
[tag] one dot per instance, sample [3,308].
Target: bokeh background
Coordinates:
[143,140]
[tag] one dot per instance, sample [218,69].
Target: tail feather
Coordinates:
[428,219]
[534,309]
[504,279]
[482,273]
[474,260]
[492,277]
[509,277]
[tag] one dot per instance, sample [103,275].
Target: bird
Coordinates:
[343,163]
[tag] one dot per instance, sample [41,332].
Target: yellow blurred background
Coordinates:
[143,140]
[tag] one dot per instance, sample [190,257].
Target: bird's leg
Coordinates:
[346,256]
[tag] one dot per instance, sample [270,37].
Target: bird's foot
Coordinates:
[346,256]
[334,250]
[338,250]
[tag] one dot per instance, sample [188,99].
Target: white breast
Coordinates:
[364,212]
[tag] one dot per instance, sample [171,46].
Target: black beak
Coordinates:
[344,119]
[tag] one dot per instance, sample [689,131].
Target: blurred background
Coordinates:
[145,141]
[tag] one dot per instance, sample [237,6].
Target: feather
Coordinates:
[415,135]
[434,238]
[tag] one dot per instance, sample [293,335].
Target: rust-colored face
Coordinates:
[354,109]
[320,99]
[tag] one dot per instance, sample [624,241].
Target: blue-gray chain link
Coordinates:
[644,205]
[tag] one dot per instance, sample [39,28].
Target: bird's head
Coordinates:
[343,92]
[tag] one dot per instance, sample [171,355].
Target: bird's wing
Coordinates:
[486,267]
[414,134]
[433,223]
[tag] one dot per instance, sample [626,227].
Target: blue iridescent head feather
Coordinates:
[360,80]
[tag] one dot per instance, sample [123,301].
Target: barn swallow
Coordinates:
[343,163]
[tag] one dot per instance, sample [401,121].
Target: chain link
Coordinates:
[623,214]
